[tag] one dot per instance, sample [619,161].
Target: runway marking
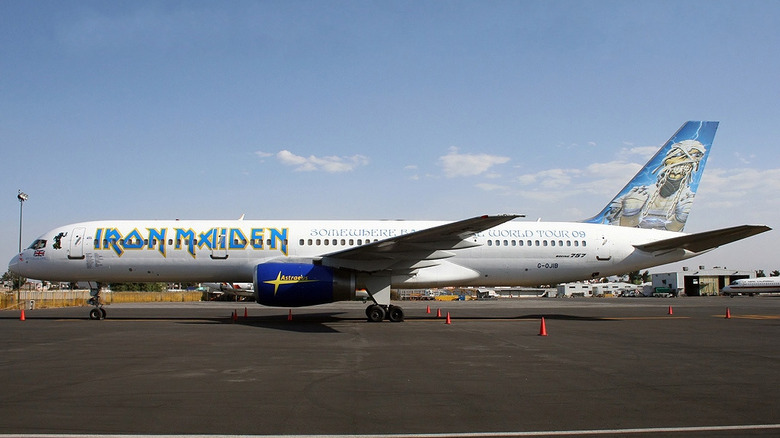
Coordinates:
[142,320]
[750,316]
[630,431]
[643,318]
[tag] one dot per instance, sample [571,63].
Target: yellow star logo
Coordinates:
[287,279]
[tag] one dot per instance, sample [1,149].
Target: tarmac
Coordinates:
[607,367]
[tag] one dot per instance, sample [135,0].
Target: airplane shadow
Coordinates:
[304,322]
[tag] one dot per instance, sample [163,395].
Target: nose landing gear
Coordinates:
[97,312]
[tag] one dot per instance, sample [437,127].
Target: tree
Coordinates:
[760,273]
[774,273]
[636,277]
[16,281]
[138,287]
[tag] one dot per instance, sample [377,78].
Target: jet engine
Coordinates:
[301,284]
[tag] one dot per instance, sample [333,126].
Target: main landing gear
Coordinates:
[97,312]
[378,312]
[378,288]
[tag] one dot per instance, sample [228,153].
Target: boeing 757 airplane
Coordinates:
[309,262]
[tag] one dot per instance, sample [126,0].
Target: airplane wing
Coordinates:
[414,250]
[699,242]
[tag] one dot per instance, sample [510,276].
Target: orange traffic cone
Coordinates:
[289,315]
[438,313]
[22,318]
[543,328]
[670,311]
[246,314]
[428,309]
[449,321]
[728,313]
[235,315]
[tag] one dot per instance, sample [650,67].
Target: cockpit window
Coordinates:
[38,244]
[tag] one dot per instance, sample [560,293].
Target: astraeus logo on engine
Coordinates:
[293,284]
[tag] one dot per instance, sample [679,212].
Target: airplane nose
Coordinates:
[13,265]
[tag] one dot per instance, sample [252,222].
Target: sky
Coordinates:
[430,110]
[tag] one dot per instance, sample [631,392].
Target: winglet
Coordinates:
[661,194]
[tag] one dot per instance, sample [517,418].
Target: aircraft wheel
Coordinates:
[95,314]
[375,313]
[103,312]
[395,314]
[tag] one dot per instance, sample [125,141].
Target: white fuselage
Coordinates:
[512,254]
[753,286]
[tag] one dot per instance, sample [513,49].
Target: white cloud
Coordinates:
[550,179]
[330,164]
[643,152]
[743,158]
[729,188]
[456,164]
[492,187]
[263,155]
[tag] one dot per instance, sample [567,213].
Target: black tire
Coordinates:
[395,314]
[375,313]
[95,314]
[103,312]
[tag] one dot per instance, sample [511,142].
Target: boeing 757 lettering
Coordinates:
[306,262]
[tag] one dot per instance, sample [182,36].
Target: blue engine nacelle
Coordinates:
[301,284]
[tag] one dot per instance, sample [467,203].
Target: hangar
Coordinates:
[694,283]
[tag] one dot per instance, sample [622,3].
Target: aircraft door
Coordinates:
[76,250]
[604,250]
[219,252]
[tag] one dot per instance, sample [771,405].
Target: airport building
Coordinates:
[568,290]
[698,282]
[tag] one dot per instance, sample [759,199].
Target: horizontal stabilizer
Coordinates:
[699,242]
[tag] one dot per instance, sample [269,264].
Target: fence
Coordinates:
[68,298]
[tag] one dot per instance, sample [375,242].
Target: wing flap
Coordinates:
[699,242]
[408,249]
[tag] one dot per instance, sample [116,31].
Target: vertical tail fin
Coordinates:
[661,194]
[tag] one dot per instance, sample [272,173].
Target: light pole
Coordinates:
[21,197]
